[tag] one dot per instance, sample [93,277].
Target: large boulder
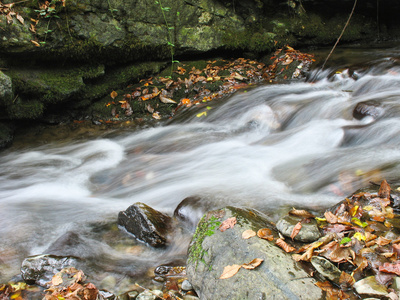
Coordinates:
[211,250]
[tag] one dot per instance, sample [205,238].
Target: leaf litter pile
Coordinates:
[194,84]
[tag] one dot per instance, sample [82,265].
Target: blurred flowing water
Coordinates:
[269,147]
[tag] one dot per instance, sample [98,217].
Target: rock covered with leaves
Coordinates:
[235,254]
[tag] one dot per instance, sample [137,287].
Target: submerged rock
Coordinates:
[211,250]
[367,108]
[190,211]
[40,269]
[308,233]
[146,224]
[326,268]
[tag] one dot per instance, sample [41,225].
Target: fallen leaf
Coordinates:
[384,190]
[248,234]
[156,115]
[301,213]
[330,217]
[228,223]
[381,241]
[265,233]
[114,94]
[56,280]
[166,100]
[253,264]
[346,279]
[390,268]
[229,271]
[296,230]
[282,244]
[35,43]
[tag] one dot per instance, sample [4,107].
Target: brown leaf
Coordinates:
[282,244]
[228,223]
[56,280]
[296,230]
[166,99]
[265,233]
[390,268]
[114,94]
[384,190]
[35,43]
[381,241]
[330,217]
[229,271]
[346,279]
[20,18]
[248,234]
[301,213]
[253,264]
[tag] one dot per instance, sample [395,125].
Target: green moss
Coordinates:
[25,110]
[207,226]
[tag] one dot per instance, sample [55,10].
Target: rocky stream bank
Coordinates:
[350,251]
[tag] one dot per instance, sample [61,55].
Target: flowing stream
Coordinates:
[270,147]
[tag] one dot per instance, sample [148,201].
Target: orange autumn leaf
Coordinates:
[384,190]
[346,279]
[228,223]
[381,241]
[229,271]
[296,230]
[253,264]
[265,233]
[330,217]
[114,94]
[282,244]
[248,234]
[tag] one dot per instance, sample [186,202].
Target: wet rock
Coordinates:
[6,134]
[278,276]
[40,269]
[190,297]
[6,92]
[104,295]
[190,211]
[147,295]
[367,108]
[186,285]
[308,233]
[146,224]
[326,268]
[370,287]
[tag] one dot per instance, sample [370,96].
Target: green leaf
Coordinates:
[166,8]
[170,44]
[358,222]
[178,13]
[345,240]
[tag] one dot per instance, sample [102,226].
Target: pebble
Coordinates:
[370,287]
[186,285]
[146,295]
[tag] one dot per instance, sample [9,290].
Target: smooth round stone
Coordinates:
[186,285]
[309,232]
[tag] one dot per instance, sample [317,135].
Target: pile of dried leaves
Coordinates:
[359,238]
[190,85]
[69,284]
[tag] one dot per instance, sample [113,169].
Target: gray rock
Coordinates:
[104,295]
[147,295]
[190,297]
[146,224]
[308,233]
[186,285]
[190,211]
[278,276]
[326,268]
[367,108]
[40,269]
[370,287]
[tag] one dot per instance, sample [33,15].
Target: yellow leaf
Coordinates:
[204,113]
[113,94]
[156,115]
[320,219]
[229,271]
[368,208]
[248,234]
[359,236]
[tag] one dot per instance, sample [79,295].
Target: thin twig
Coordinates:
[337,41]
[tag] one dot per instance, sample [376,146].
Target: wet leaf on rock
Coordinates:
[229,271]
[286,247]
[296,230]
[384,190]
[301,213]
[248,234]
[228,223]
[390,268]
[265,233]
[253,264]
